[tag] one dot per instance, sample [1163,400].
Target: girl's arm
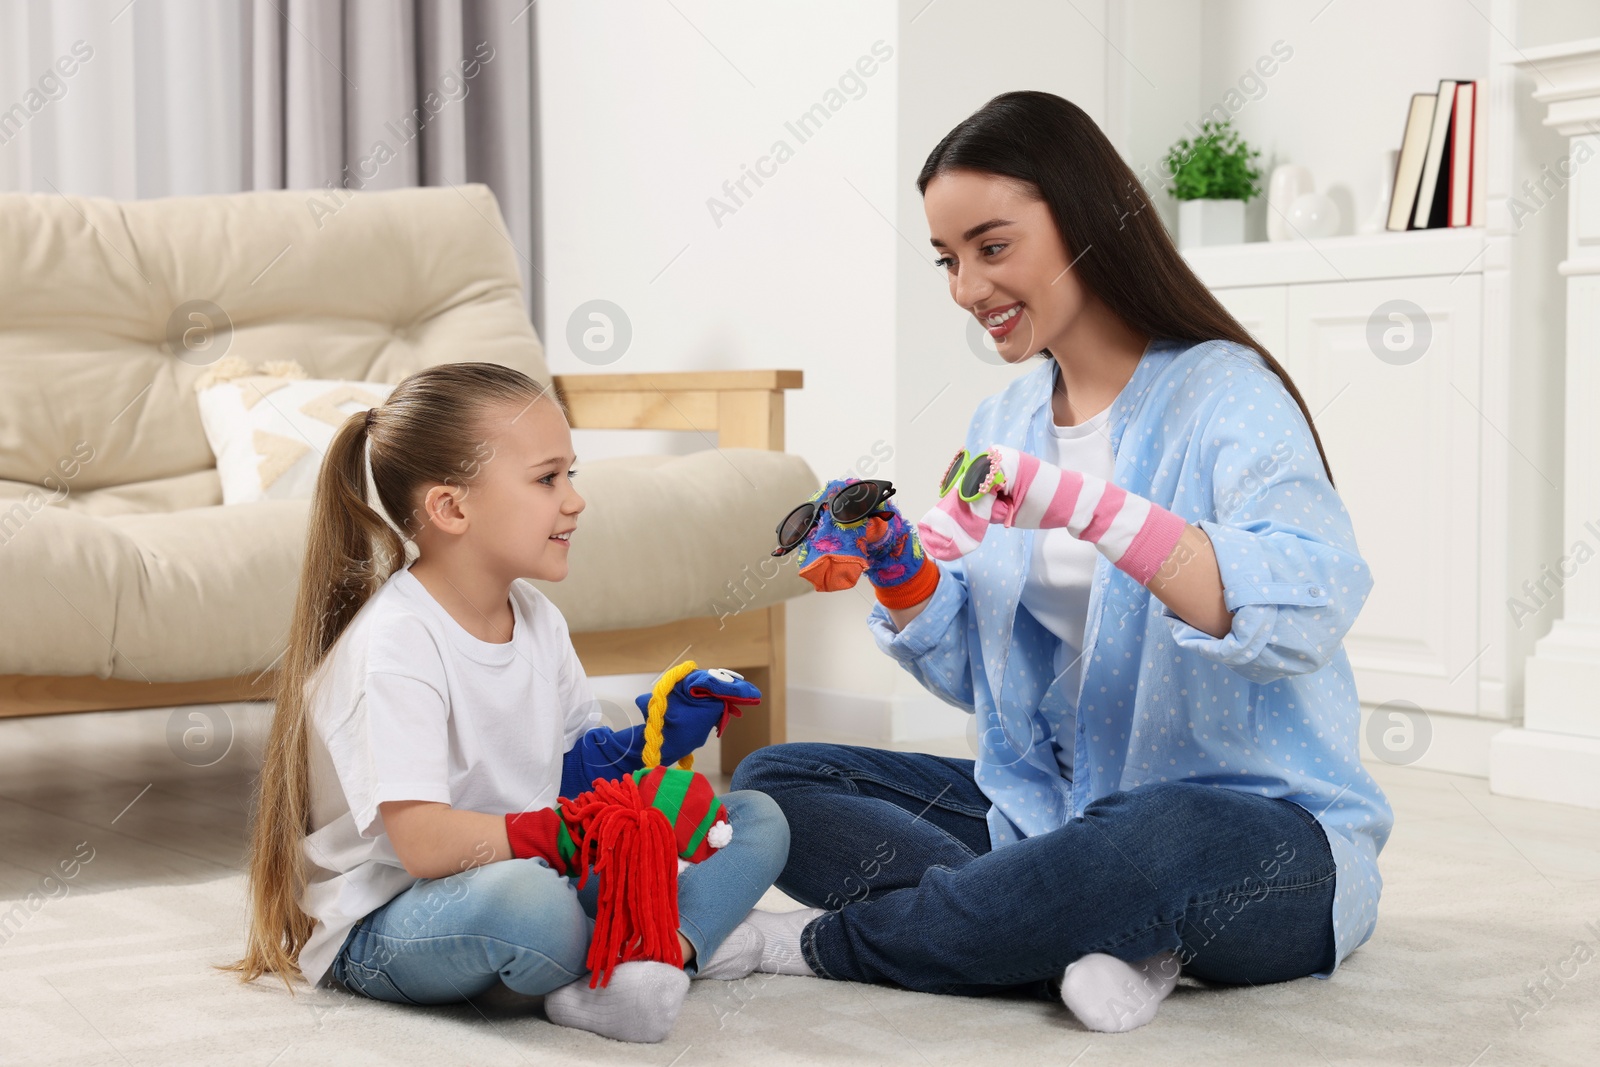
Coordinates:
[434,840]
[1190,583]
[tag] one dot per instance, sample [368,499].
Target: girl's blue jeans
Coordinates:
[895,845]
[519,922]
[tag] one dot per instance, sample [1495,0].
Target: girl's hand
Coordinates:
[702,700]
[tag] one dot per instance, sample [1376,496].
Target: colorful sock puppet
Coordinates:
[1135,534]
[683,706]
[631,833]
[883,546]
[680,712]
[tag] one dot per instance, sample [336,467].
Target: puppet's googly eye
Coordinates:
[722,674]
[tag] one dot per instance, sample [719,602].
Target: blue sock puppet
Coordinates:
[688,703]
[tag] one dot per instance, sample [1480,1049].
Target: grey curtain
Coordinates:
[384,94]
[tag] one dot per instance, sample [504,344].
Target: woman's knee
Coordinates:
[775,768]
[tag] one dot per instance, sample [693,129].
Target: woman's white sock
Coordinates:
[1111,996]
[781,953]
[641,1002]
[737,956]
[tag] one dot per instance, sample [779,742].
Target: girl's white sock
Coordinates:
[641,1003]
[737,956]
[1111,996]
[781,929]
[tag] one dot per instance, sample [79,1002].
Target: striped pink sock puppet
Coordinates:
[1135,534]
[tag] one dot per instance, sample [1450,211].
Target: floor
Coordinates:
[1486,950]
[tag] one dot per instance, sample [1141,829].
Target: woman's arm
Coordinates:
[902,616]
[434,840]
[1190,583]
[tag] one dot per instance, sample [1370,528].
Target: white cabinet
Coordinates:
[1384,337]
[1402,436]
[1264,311]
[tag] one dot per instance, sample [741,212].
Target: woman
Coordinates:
[1168,773]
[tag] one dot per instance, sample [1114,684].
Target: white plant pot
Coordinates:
[1210,222]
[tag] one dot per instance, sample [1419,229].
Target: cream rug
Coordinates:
[1468,920]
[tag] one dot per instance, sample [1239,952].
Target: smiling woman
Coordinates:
[1138,581]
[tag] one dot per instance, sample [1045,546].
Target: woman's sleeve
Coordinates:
[934,645]
[1286,550]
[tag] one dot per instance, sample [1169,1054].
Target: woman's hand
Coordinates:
[1136,534]
[883,546]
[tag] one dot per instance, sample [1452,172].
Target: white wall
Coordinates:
[645,111]
[825,268]
[939,376]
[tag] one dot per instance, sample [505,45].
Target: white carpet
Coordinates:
[123,977]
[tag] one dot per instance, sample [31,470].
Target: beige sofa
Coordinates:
[128,584]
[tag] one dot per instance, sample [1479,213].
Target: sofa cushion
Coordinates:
[118,591]
[109,310]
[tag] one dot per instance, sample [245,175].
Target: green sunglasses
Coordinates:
[969,472]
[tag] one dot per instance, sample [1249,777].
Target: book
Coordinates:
[1463,125]
[1408,168]
[1432,193]
[1479,194]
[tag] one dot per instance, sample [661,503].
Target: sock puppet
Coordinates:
[636,828]
[680,711]
[883,546]
[1134,533]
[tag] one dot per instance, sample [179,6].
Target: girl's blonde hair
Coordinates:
[428,432]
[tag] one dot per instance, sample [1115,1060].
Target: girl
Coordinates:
[1141,595]
[429,713]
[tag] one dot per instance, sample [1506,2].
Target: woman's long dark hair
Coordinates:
[1098,203]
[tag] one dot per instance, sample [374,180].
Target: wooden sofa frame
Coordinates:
[744,409]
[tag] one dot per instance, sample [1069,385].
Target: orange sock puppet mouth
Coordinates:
[833,571]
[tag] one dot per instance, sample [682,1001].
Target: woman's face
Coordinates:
[1005,260]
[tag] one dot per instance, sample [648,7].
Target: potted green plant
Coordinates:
[1212,178]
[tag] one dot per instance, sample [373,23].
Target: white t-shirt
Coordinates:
[1056,589]
[407,705]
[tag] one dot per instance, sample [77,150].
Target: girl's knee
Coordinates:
[527,905]
[759,823]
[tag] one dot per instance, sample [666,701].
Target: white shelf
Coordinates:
[1408,254]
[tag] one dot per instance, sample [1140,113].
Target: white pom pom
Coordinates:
[720,834]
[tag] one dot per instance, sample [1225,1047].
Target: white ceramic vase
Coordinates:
[1313,216]
[1210,222]
[1288,183]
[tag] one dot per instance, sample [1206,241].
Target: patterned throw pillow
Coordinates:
[270,425]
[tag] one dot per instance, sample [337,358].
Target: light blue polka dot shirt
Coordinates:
[1209,432]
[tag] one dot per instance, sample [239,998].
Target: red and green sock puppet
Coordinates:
[631,833]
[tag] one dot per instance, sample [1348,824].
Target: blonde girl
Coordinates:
[429,714]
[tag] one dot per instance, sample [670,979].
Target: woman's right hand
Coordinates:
[884,546]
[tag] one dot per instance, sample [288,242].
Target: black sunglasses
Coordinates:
[850,503]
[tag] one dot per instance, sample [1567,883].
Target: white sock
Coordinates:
[781,953]
[738,955]
[1111,996]
[641,1002]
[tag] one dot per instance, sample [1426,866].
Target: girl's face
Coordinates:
[522,507]
[1005,260]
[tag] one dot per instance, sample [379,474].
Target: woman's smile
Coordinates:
[1000,321]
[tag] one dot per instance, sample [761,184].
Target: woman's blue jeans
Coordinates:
[896,847]
[519,922]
